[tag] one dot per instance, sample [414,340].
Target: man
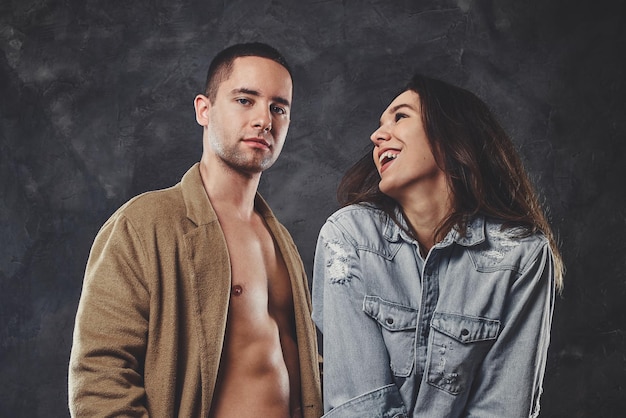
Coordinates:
[195,301]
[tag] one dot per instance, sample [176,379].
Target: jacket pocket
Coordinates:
[459,344]
[398,323]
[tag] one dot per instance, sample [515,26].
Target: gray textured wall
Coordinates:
[96,107]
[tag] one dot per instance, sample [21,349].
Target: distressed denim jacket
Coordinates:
[463,333]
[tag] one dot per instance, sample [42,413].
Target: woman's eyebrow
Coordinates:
[400,106]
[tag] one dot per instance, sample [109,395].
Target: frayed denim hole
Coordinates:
[503,242]
[337,262]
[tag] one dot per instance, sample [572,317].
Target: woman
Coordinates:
[434,285]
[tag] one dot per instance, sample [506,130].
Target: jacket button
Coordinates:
[464,332]
[389,321]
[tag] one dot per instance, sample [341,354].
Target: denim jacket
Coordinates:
[462,333]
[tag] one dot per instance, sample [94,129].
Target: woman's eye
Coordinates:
[400,116]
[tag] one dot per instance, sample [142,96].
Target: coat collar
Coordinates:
[199,208]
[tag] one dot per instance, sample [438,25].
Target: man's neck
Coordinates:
[231,193]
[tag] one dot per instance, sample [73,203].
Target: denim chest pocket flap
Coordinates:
[392,316]
[398,324]
[465,329]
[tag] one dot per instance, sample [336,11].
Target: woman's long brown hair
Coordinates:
[482,166]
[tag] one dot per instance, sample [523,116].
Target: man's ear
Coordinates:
[202,104]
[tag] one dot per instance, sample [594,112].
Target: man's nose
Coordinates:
[263,119]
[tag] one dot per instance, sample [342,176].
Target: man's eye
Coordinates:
[243,101]
[277,109]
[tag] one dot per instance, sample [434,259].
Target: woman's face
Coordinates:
[402,152]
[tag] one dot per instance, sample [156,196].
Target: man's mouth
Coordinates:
[257,143]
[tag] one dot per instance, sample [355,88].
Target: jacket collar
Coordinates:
[474,232]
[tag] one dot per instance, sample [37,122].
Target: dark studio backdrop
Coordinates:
[96,107]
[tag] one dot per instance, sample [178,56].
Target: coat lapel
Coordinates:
[210,278]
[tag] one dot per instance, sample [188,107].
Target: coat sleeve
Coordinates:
[110,334]
[509,382]
[357,379]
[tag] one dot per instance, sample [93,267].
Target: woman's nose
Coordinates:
[379,135]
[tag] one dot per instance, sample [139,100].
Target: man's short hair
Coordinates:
[222,65]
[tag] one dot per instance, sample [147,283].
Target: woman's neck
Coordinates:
[425,214]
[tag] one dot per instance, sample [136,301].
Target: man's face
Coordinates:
[247,124]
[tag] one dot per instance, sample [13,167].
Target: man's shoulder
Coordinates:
[154,202]
[151,208]
[166,203]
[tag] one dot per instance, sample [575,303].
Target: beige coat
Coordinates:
[152,315]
